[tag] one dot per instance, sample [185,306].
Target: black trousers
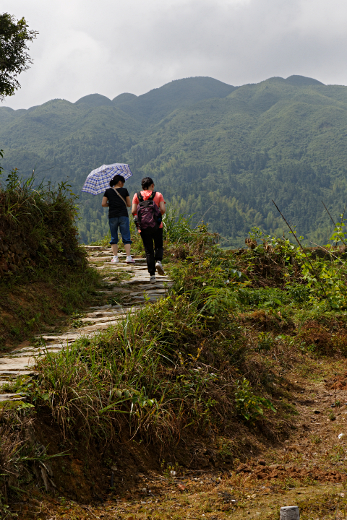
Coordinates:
[153,253]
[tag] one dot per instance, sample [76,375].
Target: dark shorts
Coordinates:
[123,224]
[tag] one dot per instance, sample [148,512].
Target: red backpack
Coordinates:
[148,213]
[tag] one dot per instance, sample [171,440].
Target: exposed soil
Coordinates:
[278,471]
[338,382]
[28,301]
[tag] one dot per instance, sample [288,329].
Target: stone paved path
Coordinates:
[132,293]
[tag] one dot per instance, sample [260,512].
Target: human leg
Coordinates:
[147,239]
[158,243]
[114,223]
[159,251]
[125,232]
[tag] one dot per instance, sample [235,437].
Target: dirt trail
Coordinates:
[132,293]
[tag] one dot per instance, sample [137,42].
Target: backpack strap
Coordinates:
[139,196]
[152,196]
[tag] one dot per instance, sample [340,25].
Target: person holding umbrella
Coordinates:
[116,198]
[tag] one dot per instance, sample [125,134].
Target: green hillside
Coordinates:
[218,151]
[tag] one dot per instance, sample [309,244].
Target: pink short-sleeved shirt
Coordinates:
[158,198]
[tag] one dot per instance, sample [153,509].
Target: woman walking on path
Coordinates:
[147,208]
[117,199]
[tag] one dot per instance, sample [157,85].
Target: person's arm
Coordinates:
[127,200]
[161,204]
[135,203]
[104,202]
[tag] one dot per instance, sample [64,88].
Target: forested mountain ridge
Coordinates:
[218,151]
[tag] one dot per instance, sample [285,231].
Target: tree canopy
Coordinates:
[14,58]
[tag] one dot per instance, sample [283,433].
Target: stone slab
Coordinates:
[8,364]
[102,307]
[63,338]
[92,259]
[142,279]
[94,315]
[100,326]
[109,306]
[37,352]
[105,319]
[12,397]
[148,290]
[8,373]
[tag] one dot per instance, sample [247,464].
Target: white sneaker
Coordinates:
[130,260]
[152,278]
[115,260]
[160,268]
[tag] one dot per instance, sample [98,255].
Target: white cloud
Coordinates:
[116,46]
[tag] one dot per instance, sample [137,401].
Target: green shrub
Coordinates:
[37,226]
[250,406]
[265,341]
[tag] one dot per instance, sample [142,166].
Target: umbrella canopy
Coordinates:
[99,180]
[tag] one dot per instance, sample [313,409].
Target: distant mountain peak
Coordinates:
[302,81]
[123,98]
[94,100]
[158,103]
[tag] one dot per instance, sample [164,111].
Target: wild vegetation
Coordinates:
[203,376]
[207,145]
[44,275]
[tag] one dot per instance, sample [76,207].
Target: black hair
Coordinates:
[116,180]
[146,183]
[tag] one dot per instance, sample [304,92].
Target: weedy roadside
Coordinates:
[220,372]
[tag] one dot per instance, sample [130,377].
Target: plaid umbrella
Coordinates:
[99,180]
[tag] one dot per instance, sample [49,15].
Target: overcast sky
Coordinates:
[115,46]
